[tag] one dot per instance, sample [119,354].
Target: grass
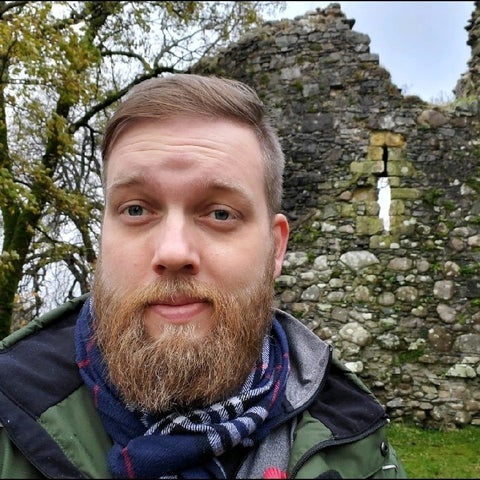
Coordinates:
[437,454]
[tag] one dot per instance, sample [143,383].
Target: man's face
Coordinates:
[187,242]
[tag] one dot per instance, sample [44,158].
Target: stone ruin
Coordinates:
[382,193]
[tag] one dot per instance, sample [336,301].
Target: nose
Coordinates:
[175,247]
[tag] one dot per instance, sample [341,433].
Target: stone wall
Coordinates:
[398,295]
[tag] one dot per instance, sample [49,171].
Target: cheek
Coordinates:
[120,259]
[238,267]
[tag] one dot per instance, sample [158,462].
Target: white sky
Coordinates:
[422,44]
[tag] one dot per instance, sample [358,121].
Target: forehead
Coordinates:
[180,132]
[182,125]
[198,149]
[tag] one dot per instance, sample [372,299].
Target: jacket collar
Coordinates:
[309,361]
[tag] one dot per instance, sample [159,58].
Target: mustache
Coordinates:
[170,290]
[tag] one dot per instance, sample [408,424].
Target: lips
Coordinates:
[180,310]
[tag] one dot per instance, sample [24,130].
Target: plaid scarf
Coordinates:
[173,445]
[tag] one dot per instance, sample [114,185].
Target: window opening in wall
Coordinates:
[384,194]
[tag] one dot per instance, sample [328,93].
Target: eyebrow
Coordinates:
[127,181]
[203,185]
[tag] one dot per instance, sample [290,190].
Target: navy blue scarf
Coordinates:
[173,445]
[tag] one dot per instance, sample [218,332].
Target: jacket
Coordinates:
[333,427]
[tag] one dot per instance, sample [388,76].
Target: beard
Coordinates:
[181,370]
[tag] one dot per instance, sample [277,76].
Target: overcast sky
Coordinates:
[422,44]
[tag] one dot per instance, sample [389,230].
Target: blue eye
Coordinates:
[135,210]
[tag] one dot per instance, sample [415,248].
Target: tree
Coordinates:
[63,66]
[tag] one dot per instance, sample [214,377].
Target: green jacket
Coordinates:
[333,427]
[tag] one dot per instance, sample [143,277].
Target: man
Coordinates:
[177,365]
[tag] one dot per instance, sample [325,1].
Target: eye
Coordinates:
[134,210]
[221,214]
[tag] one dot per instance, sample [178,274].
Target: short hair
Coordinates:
[191,95]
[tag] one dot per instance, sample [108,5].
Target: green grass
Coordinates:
[437,454]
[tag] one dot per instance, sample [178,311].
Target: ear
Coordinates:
[280,235]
